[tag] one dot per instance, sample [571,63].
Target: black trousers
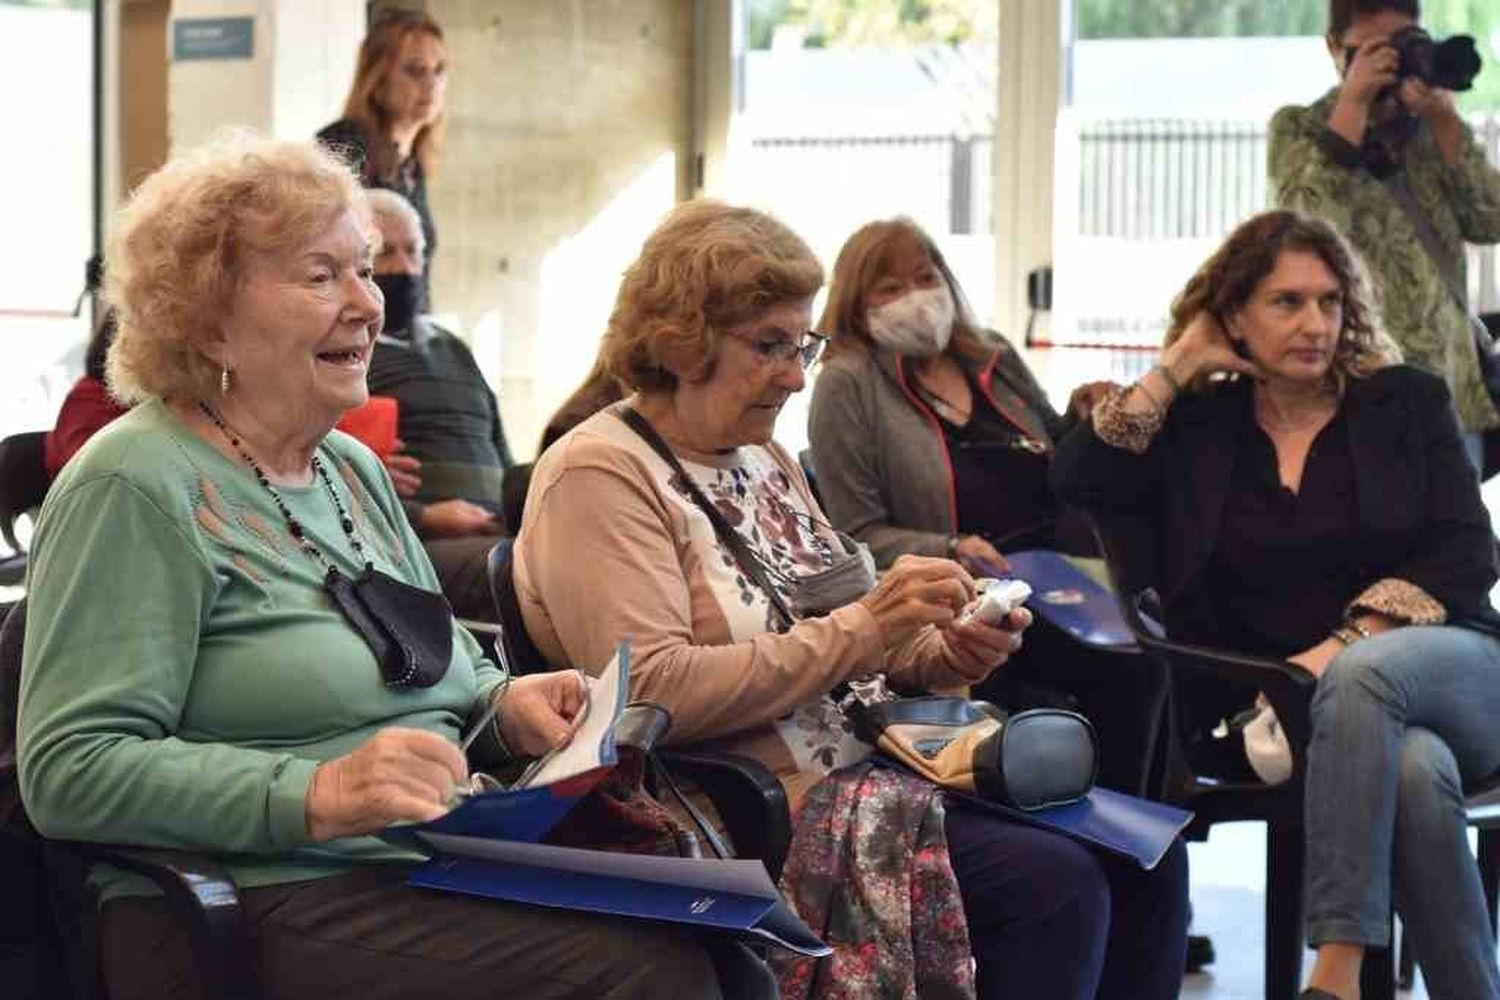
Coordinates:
[367,936]
[1050,918]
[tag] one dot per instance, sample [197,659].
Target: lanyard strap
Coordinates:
[728,537]
[1400,192]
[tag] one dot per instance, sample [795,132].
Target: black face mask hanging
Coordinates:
[403,297]
[409,630]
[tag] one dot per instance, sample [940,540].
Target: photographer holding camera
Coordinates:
[1387,158]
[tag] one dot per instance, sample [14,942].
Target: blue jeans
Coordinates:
[1400,722]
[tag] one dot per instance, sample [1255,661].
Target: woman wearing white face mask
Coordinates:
[929,435]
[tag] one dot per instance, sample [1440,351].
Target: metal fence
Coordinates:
[1134,194]
[1155,179]
[1149,180]
[942,181]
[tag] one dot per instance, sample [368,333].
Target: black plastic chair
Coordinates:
[1128,545]
[198,892]
[746,795]
[23,485]
[1491,438]
[804,459]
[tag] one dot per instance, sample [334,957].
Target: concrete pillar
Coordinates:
[1029,93]
[570,133]
[292,84]
[718,90]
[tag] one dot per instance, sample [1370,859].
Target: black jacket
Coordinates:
[1420,512]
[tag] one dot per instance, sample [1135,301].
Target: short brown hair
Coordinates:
[377,58]
[1227,280]
[706,268]
[179,246]
[864,259]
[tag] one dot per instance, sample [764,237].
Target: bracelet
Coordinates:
[953,546]
[1169,378]
[1155,403]
[1353,625]
[1344,636]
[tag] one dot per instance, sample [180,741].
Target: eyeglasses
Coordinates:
[804,350]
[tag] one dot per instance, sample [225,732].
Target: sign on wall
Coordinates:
[213,38]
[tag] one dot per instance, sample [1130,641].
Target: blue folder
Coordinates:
[1070,598]
[735,896]
[1135,829]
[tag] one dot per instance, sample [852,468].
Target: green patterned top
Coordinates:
[1316,171]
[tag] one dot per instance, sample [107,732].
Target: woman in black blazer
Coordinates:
[1309,502]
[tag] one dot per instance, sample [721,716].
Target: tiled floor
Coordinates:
[1228,885]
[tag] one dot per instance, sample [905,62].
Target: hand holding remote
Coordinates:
[997,598]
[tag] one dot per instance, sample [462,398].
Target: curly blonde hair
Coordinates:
[1227,280]
[175,257]
[706,268]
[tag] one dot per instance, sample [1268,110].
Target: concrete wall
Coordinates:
[570,134]
[293,83]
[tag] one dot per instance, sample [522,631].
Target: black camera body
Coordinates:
[1451,64]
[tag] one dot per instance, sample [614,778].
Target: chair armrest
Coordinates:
[202,896]
[747,797]
[481,628]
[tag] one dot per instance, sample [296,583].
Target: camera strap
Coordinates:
[1400,192]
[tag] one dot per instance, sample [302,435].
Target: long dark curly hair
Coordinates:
[1227,280]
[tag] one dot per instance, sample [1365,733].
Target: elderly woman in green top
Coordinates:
[191,676]
[1370,154]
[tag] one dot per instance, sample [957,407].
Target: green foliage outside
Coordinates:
[918,22]
[874,22]
[1242,18]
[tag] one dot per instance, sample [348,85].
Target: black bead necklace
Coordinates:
[292,524]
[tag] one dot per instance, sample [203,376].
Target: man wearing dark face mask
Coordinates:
[1389,160]
[452,454]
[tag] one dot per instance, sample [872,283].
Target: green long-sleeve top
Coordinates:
[184,670]
[1315,170]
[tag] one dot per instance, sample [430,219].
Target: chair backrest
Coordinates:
[520,650]
[804,458]
[12,638]
[23,480]
[1199,675]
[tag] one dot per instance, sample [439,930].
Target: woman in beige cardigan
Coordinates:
[710,330]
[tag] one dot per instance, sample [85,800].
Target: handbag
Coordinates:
[1028,761]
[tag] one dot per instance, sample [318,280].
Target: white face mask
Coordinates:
[918,323]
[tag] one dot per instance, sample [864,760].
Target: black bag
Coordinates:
[1044,757]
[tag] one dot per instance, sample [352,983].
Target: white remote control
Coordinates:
[997,598]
